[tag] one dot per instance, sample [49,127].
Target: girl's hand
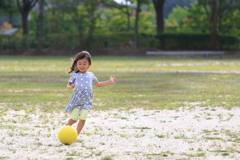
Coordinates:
[113,79]
[105,83]
[70,86]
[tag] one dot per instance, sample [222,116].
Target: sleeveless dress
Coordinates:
[83,93]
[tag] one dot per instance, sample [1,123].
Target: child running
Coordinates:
[81,80]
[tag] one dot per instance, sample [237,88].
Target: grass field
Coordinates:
[30,82]
[184,109]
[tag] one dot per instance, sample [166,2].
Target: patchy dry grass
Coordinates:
[159,108]
[112,137]
[30,82]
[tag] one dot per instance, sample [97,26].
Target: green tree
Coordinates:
[84,14]
[25,6]
[114,19]
[216,10]
[125,8]
[136,23]
[158,5]
[199,19]
[146,20]
[176,17]
[127,11]
[9,8]
[57,19]
[231,24]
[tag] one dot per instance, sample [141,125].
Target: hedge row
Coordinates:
[163,41]
[196,42]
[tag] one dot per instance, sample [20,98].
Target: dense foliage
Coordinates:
[85,24]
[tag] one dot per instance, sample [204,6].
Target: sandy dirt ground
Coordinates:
[186,133]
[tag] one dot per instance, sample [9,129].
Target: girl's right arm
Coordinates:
[70,85]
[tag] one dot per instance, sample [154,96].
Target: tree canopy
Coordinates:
[83,21]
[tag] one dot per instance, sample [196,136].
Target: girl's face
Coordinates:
[83,65]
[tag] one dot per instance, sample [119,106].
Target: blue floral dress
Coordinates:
[83,93]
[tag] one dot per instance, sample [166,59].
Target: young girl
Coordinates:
[81,80]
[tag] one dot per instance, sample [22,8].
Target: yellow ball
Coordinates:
[67,135]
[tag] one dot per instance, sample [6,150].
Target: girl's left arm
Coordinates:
[112,79]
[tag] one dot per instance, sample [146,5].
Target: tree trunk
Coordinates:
[213,23]
[41,19]
[25,7]
[135,43]
[214,36]
[215,9]
[25,30]
[25,23]
[128,15]
[159,5]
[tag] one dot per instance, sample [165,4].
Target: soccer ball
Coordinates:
[67,135]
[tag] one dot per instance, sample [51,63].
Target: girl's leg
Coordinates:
[70,122]
[73,117]
[82,119]
[80,125]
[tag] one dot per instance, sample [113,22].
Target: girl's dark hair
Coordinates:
[80,55]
